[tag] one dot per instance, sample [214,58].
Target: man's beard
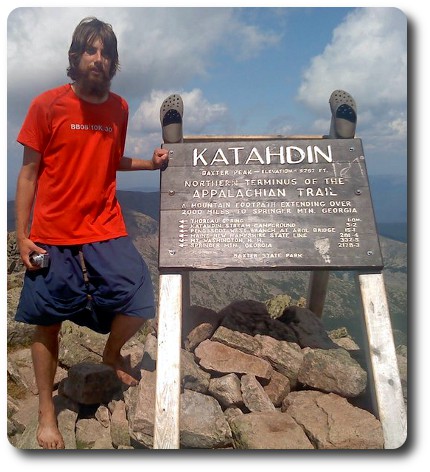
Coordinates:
[97,86]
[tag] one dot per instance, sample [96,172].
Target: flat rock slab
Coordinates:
[268,431]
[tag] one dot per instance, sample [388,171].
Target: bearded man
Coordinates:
[67,214]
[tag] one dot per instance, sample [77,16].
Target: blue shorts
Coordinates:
[118,282]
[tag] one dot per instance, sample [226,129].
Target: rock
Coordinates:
[198,324]
[217,357]
[332,423]
[276,305]
[237,340]
[142,410]
[342,339]
[15,424]
[346,343]
[251,317]
[307,327]
[193,377]
[232,412]
[28,438]
[91,384]
[226,390]
[149,357]
[73,352]
[283,356]
[13,431]
[103,416]
[332,370]
[278,388]
[18,334]
[90,432]
[272,430]
[119,429]
[244,372]
[253,394]
[20,369]
[132,353]
[202,422]
[67,413]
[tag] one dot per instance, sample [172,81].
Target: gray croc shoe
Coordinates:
[343,115]
[171,113]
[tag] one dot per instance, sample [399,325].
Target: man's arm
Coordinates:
[159,157]
[25,192]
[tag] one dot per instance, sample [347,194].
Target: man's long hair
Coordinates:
[88,30]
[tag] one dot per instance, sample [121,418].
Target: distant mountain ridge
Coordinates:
[389,196]
[214,289]
[147,203]
[389,207]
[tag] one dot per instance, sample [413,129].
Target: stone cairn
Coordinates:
[249,380]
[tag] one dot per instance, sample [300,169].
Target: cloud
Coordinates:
[399,125]
[199,112]
[145,126]
[221,60]
[367,56]
[159,48]
[170,46]
[38,41]
[251,40]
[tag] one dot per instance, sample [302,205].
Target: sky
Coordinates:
[239,71]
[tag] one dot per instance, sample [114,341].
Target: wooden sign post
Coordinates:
[270,203]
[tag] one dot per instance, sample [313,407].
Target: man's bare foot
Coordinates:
[48,435]
[121,368]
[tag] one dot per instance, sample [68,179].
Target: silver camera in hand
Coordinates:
[41,260]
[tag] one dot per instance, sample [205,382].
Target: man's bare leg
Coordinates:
[123,328]
[44,352]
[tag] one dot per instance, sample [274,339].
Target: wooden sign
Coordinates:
[292,204]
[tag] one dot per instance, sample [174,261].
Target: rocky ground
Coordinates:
[253,376]
[246,384]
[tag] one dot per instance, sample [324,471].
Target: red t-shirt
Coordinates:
[81,145]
